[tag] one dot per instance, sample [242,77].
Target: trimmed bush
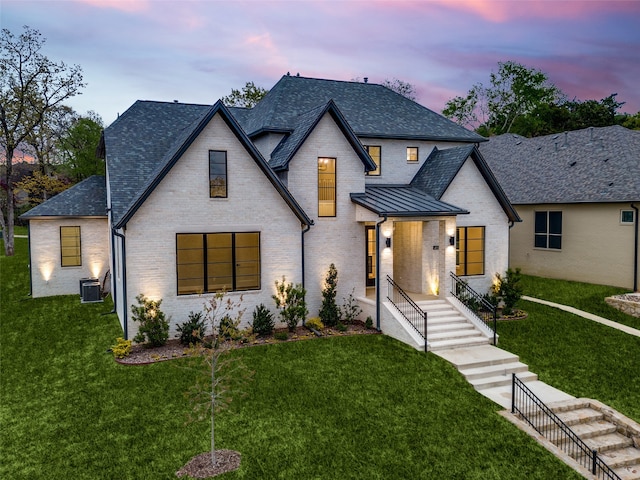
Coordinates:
[315,323]
[122,348]
[193,330]
[263,321]
[329,312]
[154,327]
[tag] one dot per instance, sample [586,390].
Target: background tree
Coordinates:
[403,88]
[31,86]
[514,91]
[40,187]
[43,141]
[78,148]
[248,97]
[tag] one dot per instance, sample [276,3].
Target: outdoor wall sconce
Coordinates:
[388,242]
[452,241]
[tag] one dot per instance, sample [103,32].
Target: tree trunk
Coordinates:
[7,232]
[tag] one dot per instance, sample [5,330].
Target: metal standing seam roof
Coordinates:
[403,201]
[371,110]
[85,199]
[591,165]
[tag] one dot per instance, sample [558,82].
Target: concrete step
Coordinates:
[476,357]
[628,472]
[457,343]
[610,441]
[493,370]
[593,429]
[501,380]
[579,415]
[451,334]
[447,327]
[446,320]
[623,457]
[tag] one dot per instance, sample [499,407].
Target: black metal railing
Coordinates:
[476,303]
[416,317]
[533,411]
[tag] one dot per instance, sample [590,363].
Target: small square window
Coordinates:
[627,216]
[412,154]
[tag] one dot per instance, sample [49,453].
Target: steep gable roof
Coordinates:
[162,140]
[85,199]
[371,110]
[581,166]
[441,167]
[304,125]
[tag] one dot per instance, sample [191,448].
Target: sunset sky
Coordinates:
[198,50]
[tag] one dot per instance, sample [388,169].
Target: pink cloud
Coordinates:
[129,6]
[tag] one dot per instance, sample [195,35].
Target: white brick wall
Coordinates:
[469,191]
[47,275]
[181,204]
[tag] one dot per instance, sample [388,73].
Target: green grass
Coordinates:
[353,407]
[583,296]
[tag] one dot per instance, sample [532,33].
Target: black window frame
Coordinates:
[224,176]
[627,222]
[378,171]
[206,274]
[78,247]
[465,237]
[547,229]
[417,149]
[335,187]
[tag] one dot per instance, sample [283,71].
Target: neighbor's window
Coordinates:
[412,154]
[213,262]
[326,187]
[217,174]
[548,230]
[470,251]
[70,247]
[375,154]
[627,217]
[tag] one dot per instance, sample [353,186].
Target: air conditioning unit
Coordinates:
[91,292]
[86,280]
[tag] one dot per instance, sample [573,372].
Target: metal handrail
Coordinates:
[412,313]
[541,418]
[476,303]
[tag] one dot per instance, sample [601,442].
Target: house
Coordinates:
[200,198]
[578,195]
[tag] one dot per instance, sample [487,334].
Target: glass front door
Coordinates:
[371,255]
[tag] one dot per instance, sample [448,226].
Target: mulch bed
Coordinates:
[143,355]
[200,466]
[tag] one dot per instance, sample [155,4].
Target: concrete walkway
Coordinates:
[587,315]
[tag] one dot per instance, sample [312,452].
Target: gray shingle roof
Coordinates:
[147,140]
[304,125]
[589,165]
[85,199]
[371,110]
[402,201]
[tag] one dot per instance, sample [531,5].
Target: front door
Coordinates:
[370,248]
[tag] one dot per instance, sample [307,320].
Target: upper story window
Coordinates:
[213,262]
[217,174]
[70,252]
[326,187]
[376,156]
[469,251]
[627,217]
[548,230]
[412,154]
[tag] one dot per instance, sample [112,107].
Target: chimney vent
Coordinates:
[366,79]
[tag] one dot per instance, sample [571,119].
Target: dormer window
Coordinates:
[375,152]
[412,154]
[217,174]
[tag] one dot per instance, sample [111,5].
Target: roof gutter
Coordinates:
[635,252]
[378,270]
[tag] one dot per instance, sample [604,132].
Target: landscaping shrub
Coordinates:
[508,289]
[263,321]
[228,328]
[329,312]
[154,327]
[369,322]
[290,300]
[282,336]
[315,323]
[193,330]
[350,309]
[122,348]
[341,327]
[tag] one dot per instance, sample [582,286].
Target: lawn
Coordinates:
[351,407]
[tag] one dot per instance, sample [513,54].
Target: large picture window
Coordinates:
[548,230]
[470,251]
[326,187]
[375,152]
[217,174]
[213,262]
[70,251]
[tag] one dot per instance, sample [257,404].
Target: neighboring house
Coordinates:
[202,198]
[578,195]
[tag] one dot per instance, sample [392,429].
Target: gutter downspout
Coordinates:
[125,327]
[114,294]
[302,264]
[635,252]
[31,266]
[378,270]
